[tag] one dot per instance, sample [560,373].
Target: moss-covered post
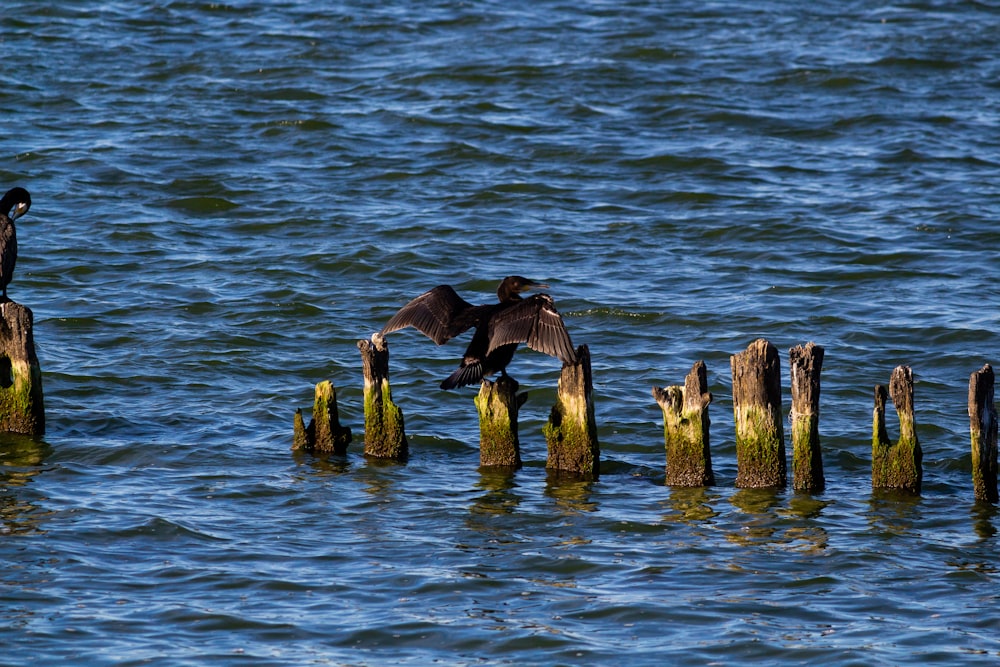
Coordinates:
[685,429]
[896,466]
[324,433]
[22,408]
[983,426]
[806,363]
[498,403]
[571,432]
[760,435]
[385,437]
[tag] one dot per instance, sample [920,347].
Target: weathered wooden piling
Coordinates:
[760,436]
[686,429]
[324,433]
[806,363]
[896,466]
[385,437]
[571,432]
[498,403]
[983,426]
[22,408]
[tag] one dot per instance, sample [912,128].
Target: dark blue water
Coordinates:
[228,196]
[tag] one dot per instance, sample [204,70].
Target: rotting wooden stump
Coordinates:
[498,403]
[571,432]
[983,427]
[22,407]
[385,437]
[760,436]
[686,429]
[324,433]
[806,363]
[896,466]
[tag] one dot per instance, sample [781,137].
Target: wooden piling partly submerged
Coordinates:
[896,466]
[22,407]
[571,432]
[806,363]
[498,403]
[686,429]
[324,433]
[760,436]
[385,437]
[983,426]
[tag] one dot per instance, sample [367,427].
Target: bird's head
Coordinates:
[15,203]
[511,287]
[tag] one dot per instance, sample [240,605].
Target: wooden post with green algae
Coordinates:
[22,407]
[324,433]
[806,364]
[760,435]
[983,426]
[498,403]
[385,437]
[571,432]
[896,466]
[686,429]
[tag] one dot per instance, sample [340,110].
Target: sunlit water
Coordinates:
[228,196]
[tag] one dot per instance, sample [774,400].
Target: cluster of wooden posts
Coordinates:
[571,432]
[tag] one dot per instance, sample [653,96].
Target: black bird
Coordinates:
[441,314]
[14,204]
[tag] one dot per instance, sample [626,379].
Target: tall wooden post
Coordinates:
[686,429]
[760,435]
[571,432]
[385,437]
[324,433]
[983,426]
[22,407]
[498,403]
[896,466]
[806,363]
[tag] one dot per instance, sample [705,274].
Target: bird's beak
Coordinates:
[531,284]
[19,211]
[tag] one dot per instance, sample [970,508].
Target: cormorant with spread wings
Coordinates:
[441,314]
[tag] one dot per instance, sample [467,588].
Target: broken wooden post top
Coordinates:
[896,465]
[983,429]
[385,436]
[760,436]
[686,429]
[22,408]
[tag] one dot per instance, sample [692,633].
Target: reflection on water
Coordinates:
[892,512]
[21,459]
[984,520]
[691,505]
[330,464]
[767,522]
[571,491]
[498,498]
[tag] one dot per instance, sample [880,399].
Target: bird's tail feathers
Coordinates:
[465,375]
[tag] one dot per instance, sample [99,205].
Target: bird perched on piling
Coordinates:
[14,204]
[441,314]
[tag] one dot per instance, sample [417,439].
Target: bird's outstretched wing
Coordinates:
[536,322]
[440,314]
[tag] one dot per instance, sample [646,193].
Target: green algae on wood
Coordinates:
[498,403]
[686,429]
[324,433]
[806,364]
[896,466]
[983,428]
[760,436]
[385,437]
[22,407]
[571,432]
